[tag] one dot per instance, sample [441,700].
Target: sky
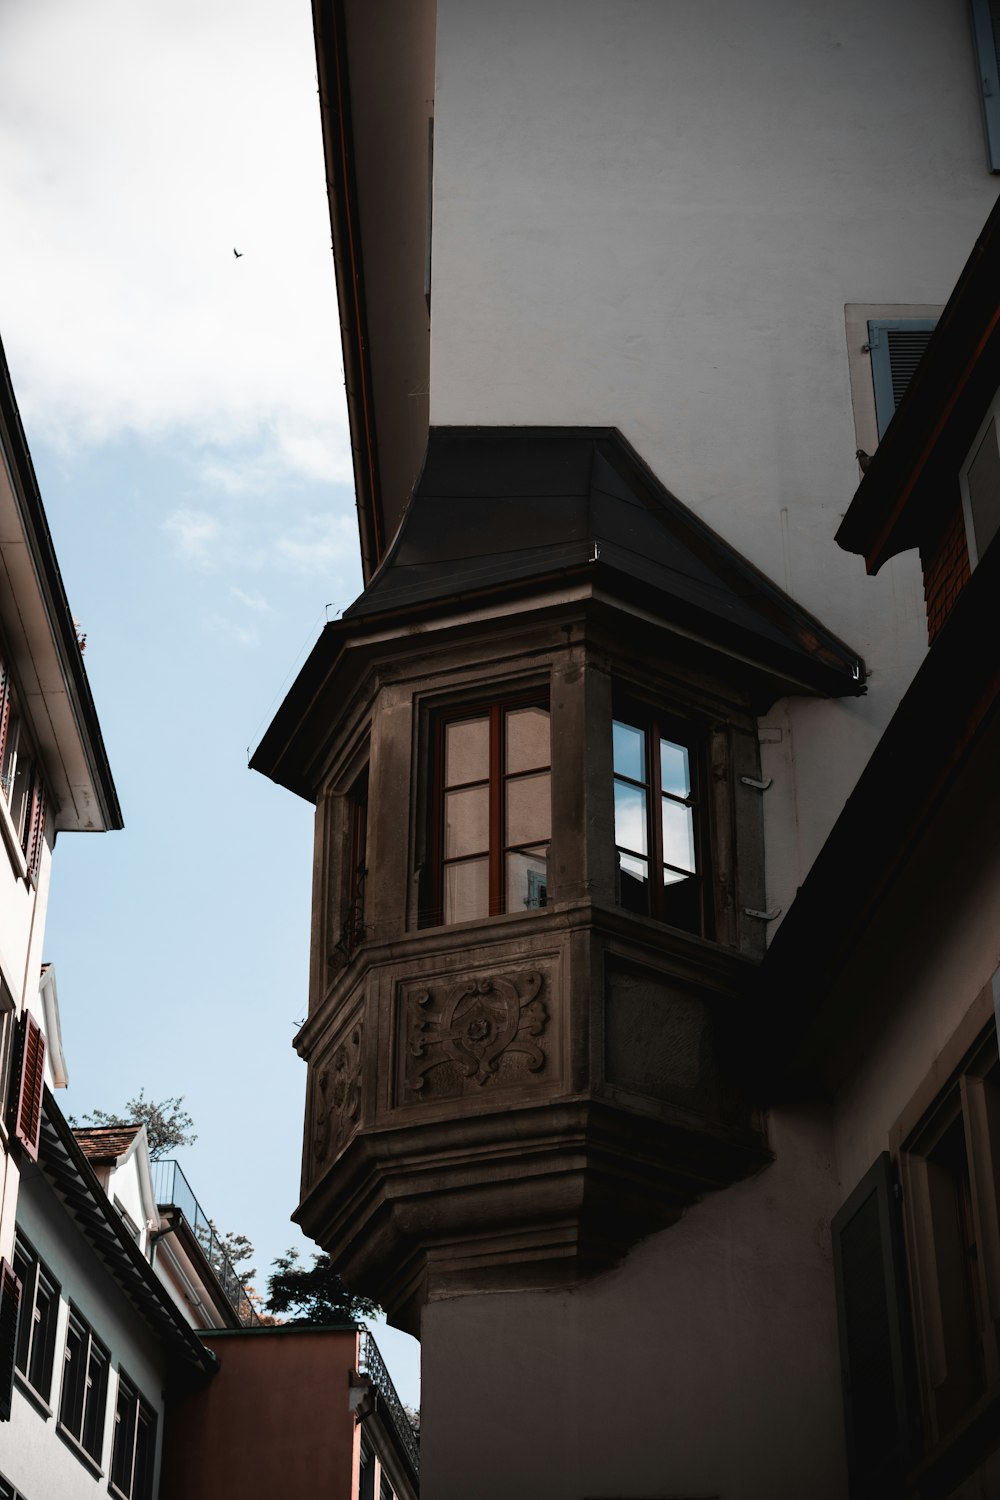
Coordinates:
[185,412]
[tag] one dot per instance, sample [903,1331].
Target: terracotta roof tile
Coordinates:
[107,1142]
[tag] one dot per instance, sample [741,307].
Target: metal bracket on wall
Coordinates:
[758,786]
[762,916]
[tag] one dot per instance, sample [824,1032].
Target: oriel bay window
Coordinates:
[657,817]
[491,811]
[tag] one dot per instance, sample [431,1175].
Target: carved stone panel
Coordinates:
[474,1034]
[335,1085]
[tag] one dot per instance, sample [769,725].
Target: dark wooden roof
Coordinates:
[913,474]
[497,506]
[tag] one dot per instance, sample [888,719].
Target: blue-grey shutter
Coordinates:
[896,346]
[986,31]
[875,1340]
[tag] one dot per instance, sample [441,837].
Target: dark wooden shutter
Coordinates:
[36,827]
[30,1079]
[896,346]
[10,1301]
[875,1342]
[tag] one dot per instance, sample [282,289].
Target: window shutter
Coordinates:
[27,1120]
[10,1301]
[896,346]
[36,827]
[874,1323]
[986,30]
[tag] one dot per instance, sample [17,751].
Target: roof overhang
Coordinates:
[71,1176]
[40,635]
[914,472]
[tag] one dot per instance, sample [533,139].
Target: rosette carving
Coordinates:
[469,1027]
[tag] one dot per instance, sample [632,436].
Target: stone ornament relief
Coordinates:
[337,1097]
[459,1032]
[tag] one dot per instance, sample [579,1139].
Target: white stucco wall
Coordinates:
[652,214]
[32,1455]
[705,1365]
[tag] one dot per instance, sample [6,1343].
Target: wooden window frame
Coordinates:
[495,710]
[10,1302]
[972,540]
[31,1326]
[965,1097]
[94,1391]
[989,78]
[353,931]
[657,725]
[138,1410]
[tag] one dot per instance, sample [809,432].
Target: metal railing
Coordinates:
[373,1366]
[172,1190]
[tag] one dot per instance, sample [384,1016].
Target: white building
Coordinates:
[54,776]
[621,292]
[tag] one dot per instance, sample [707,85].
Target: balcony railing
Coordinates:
[373,1366]
[172,1190]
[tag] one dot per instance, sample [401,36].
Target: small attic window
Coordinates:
[128,1221]
[979,478]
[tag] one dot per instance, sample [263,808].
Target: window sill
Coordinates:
[13,844]
[36,1399]
[75,1446]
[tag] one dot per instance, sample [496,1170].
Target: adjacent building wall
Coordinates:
[274,1421]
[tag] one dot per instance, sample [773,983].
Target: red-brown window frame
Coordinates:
[496,710]
[656,725]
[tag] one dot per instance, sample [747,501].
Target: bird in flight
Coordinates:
[238,254]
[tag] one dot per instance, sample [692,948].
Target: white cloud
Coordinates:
[125,185]
[194,533]
[256,602]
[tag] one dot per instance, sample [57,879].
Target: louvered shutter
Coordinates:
[30,1077]
[875,1343]
[10,1301]
[896,346]
[36,827]
[986,31]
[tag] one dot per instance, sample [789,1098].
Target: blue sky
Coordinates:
[185,413]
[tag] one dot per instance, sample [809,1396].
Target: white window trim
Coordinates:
[15,853]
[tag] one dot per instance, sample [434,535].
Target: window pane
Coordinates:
[124,1439]
[527,739]
[43,1342]
[527,880]
[467,890]
[678,835]
[682,901]
[466,822]
[633,879]
[629,750]
[145,1446]
[74,1381]
[630,817]
[466,751]
[97,1392]
[528,816]
[675,773]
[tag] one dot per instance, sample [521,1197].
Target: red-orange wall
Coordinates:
[274,1420]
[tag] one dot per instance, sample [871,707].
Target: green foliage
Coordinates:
[314,1295]
[168,1126]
